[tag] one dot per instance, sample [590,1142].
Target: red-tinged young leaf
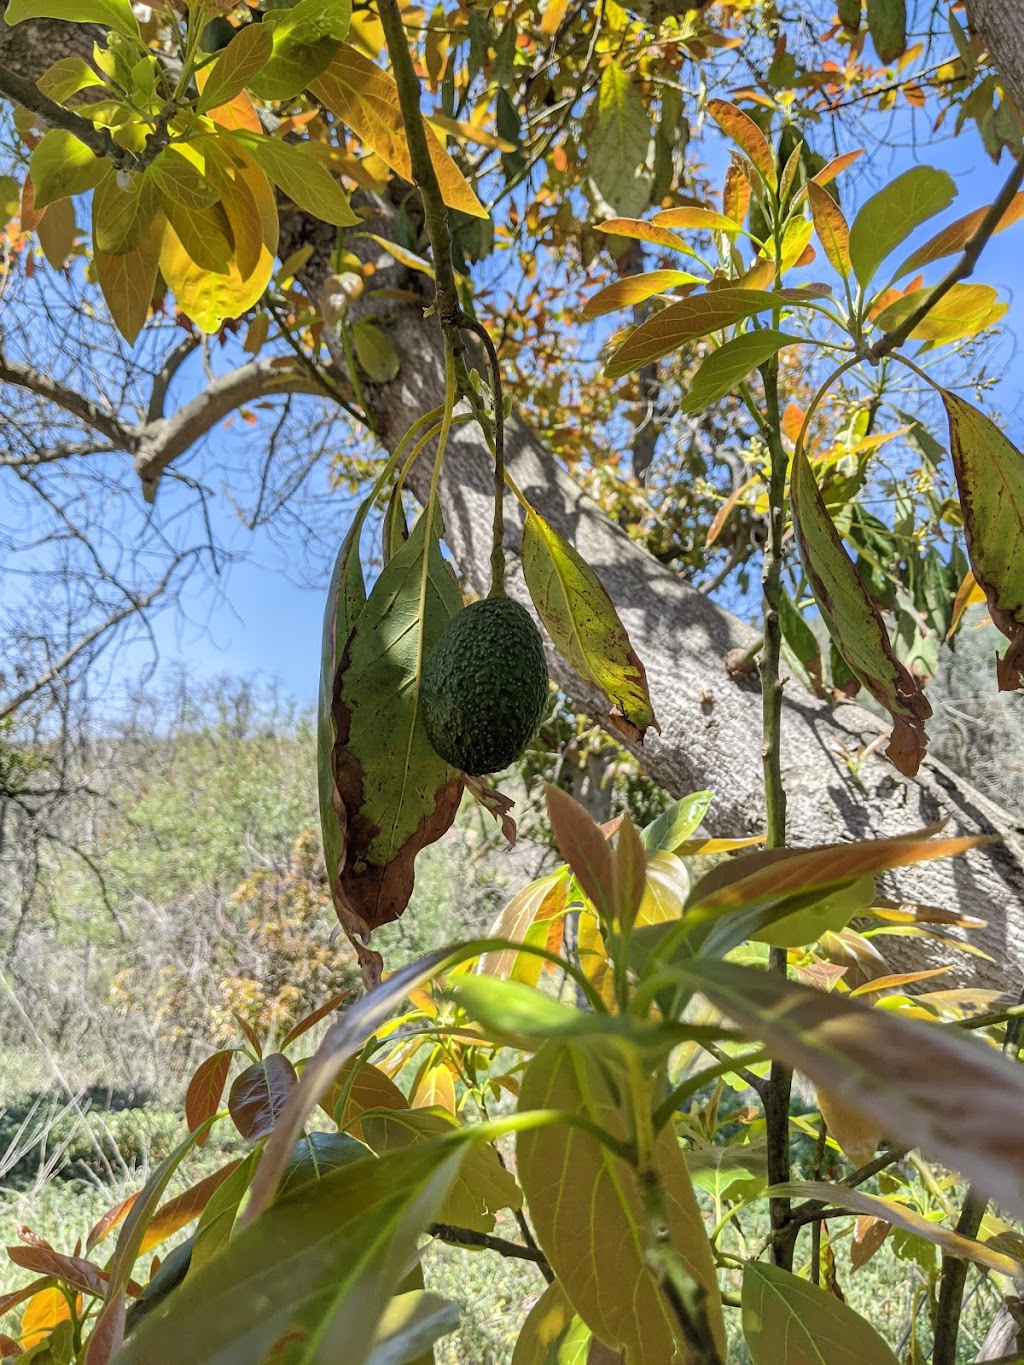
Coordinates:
[496,803]
[8,1347]
[890,216]
[365,98]
[854,622]
[887,24]
[312,1019]
[70,1270]
[584,847]
[177,1213]
[244,56]
[259,1094]
[202,1098]
[629,876]
[584,626]
[964,311]
[526,919]
[250,1033]
[588,1209]
[725,511]
[724,369]
[16,1296]
[831,227]
[746,134]
[956,1098]
[636,229]
[695,218]
[955,237]
[688,320]
[397,793]
[990,480]
[908,912]
[789,1321]
[113,1218]
[899,1215]
[634,289]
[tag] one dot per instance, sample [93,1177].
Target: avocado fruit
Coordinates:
[485,686]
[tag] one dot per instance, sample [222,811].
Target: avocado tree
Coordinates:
[210,147]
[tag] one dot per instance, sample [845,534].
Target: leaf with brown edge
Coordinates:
[397,793]
[901,1216]
[587,1204]
[584,626]
[746,134]
[584,847]
[259,1094]
[854,622]
[931,1087]
[990,480]
[688,320]
[635,289]
[366,99]
[202,1098]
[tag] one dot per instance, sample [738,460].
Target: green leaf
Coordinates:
[62,166]
[990,480]
[128,280]
[801,640]
[552,1333]
[205,234]
[322,1263]
[853,620]
[67,77]
[723,369]
[618,143]
[788,1321]
[306,38]
[890,216]
[180,180]
[676,823]
[218,1218]
[956,1098]
[634,289]
[584,626]
[688,320]
[296,169]
[115,14]
[962,312]
[409,1326]
[887,24]
[375,353]
[824,914]
[246,54]
[956,236]
[10,198]
[56,230]
[482,1186]
[120,216]
[397,793]
[588,1207]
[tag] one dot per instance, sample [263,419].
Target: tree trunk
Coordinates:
[711,724]
[1000,26]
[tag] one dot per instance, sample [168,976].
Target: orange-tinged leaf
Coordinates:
[836,166]
[588,1208]
[636,229]
[314,1017]
[128,281]
[202,1098]
[435,1087]
[990,480]
[526,919]
[239,112]
[185,1208]
[955,237]
[685,321]
[962,312]
[724,512]
[584,848]
[854,622]
[831,227]
[868,1235]
[366,99]
[894,979]
[969,594]
[469,132]
[634,289]
[736,192]
[43,1312]
[746,134]
[693,848]
[554,13]
[695,217]
[110,1220]
[956,1098]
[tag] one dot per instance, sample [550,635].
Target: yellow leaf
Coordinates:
[42,1314]
[209,299]
[435,1087]
[366,99]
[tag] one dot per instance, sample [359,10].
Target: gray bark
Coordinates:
[1000,25]
[710,724]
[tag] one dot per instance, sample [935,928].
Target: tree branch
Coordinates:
[466,1237]
[98,140]
[88,412]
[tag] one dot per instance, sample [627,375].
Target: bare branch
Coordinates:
[172,364]
[13,372]
[97,139]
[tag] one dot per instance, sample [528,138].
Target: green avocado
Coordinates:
[485,686]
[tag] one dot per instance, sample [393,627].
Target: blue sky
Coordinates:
[266,616]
